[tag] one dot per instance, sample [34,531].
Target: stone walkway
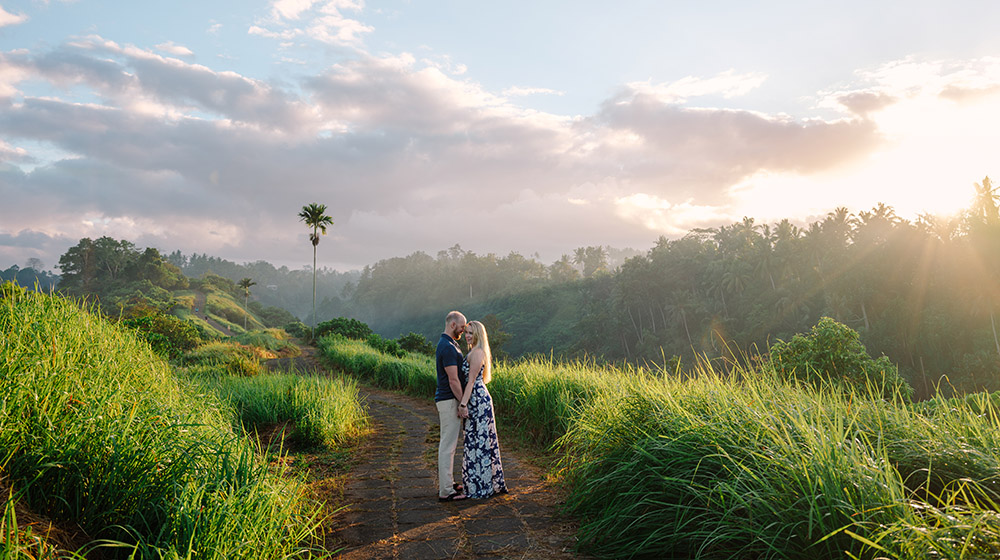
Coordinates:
[393,509]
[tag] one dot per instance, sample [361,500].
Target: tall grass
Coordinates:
[96,431]
[316,410]
[747,465]
[414,374]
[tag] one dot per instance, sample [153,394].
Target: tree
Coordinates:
[985,206]
[245,284]
[34,263]
[314,216]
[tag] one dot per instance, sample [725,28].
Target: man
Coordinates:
[449,391]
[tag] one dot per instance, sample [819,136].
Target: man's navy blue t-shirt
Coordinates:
[448,354]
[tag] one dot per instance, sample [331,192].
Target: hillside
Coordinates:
[103,438]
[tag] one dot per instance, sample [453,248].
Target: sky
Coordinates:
[528,126]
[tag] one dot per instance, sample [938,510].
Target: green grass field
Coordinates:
[97,432]
[745,465]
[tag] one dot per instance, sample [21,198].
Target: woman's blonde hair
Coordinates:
[481,340]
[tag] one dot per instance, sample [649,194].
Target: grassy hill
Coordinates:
[100,435]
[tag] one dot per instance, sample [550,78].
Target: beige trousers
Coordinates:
[451,430]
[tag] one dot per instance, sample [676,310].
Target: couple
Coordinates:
[462,396]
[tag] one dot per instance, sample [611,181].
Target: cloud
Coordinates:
[141,81]
[174,49]
[178,155]
[700,152]
[321,21]
[10,153]
[727,84]
[7,18]
[523,91]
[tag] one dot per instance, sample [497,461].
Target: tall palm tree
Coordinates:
[245,284]
[985,204]
[314,216]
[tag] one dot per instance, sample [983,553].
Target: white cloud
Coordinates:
[321,21]
[934,117]
[174,49]
[7,18]
[524,91]
[291,9]
[396,146]
[727,84]
[10,153]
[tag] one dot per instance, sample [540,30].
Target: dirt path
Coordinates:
[391,495]
[202,312]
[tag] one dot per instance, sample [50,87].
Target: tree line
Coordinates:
[924,293]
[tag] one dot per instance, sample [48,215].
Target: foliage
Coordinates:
[114,270]
[298,329]
[417,343]
[167,335]
[316,410]
[29,278]
[832,352]
[413,374]
[384,345]
[234,358]
[344,326]
[742,464]
[713,468]
[271,316]
[96,431]
[224,285]
[274,341]
[284,288]
[243,366]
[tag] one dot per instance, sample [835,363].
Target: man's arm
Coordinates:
[456,387]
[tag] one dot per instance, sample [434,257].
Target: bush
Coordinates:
[833,352]
[298,329]
[413,342]
[384,345]
[271,316]
[167,335]
[351,328]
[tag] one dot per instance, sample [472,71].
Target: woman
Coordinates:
[482,471]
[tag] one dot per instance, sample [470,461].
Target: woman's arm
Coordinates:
[475,362]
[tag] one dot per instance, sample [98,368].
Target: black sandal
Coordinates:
[458,487]
[453,497]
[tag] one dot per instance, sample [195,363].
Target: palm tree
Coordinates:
[314,216]
[985,206]
[245,284]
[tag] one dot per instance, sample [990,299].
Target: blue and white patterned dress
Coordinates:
[482,472]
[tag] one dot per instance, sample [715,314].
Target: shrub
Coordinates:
[385,345]
[832,352]
[166,334]
[413,342]
[271,316]
[298,329]
[351,328]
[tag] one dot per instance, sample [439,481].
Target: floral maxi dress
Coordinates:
[482,471]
